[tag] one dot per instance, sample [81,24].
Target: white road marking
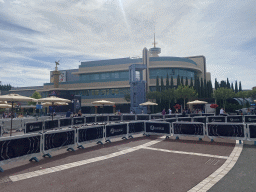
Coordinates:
[79,163]
[187,153]
[208,182]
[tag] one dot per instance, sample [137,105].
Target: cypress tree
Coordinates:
[167,82]
[202,88]
[182,81]
[162,84]
[178,80]
[157,84]
[228,84]
[191,83]
[186,83]
[240,86]
[236,89]
[232,87]
[216,84]
[171,82]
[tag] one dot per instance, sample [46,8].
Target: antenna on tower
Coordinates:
[154,38]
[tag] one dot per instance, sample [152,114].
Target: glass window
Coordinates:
[104,92]
[114,91]
[124,91]
[95,92]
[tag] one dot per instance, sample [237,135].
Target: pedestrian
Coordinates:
[131,112]
[222,111]
[79,114]
[163,112]
[68,114]
[170,111]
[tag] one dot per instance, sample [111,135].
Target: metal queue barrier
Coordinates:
[252,132]
[207,114]
[250,118]
[201,119]
[194,114]
[170,120]
[20,147]
[157,128]
[57,139]
[234,119]
[1,131]
[90,134]
[78,122]
[228,130]
[142,117]
[170,116]
[51,124]
[135,127]
[216,119]
[129,117]
[116,130]
[65,123]
[101,119]
[114,118]
[187,119]
[34,127]
[90,119]
[195,129]
[152,117]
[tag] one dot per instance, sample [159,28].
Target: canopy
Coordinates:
[53,99]
[103,102]
[148,103]
[197,102]
[5,106]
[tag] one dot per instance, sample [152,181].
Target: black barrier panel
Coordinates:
[170,116]
[51,124]
[101,118]
[156,116]
[114,130]
[142,117]
[179,115]
[188,128]
[170,120]
[250,118]
[128,117]
[34,127]
[194,114]
[226,130]
[235,119]
[252,130]
[90,119]
[136,127]
[0,131]
[217,119]
[189,119]
[90,133]
[65,122]
[58,139]
[199,119]
[78,120]
[207,114]
[114,118]
[158,127]
[19,147]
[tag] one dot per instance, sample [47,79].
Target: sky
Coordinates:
[35,34]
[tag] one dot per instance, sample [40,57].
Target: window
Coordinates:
[104,92]
[114,91]
[95,92]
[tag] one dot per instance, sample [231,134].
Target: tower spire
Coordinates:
[154,38]
[154,51]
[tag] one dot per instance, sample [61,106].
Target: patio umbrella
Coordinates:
[197,102]
[14,98]
[103,102]
[148,103]
[3,102]
[5,106]
[52,100]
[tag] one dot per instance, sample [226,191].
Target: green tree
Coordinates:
[223,94]
[240,86]
[202,90]
[178,80]
[236,89]
[186,82]
[216,84]
[168,95]
[191,83]
[162,84]
[232,87]
[35,95]
[185,92]
[243,95]
[167,85]
[228,84]
[182,81]
[172,82]
[157,84]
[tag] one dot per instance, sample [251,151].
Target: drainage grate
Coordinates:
[212,162]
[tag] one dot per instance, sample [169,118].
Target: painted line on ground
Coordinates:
[187,153]
[80,163]
[210,181]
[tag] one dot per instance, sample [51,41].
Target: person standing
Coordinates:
[163,112]
[68,114]
[222,111]
[170,111]
[79,114]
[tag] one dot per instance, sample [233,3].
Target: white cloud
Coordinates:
[44,29]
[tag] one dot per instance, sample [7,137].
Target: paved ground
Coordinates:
[138,164]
